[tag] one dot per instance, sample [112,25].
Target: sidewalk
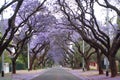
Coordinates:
[27,75]
[6,77]
[91,75]
[23,75]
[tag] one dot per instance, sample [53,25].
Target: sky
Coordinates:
[99,12]
[8,12]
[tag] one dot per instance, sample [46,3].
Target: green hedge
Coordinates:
[20,66]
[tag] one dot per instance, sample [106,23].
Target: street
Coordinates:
[56,74]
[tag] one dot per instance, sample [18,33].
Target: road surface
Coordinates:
[56,74]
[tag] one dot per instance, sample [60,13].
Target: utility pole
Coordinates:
[2,26]
[83,65]
[2,71]
[28,56]
[106,59]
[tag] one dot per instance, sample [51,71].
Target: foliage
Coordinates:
[20,66]
[0,35]
[6,57]
[22,59]
[118,55]
[118,21]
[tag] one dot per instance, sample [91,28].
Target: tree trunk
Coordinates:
[31,64]
[87,64]
[44,65]
[72,63]
[113,66]
[32,59]
[99,63]
[30,67]
[14,66]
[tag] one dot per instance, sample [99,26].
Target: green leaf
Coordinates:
[118,21]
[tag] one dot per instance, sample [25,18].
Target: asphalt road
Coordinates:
[56,74]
